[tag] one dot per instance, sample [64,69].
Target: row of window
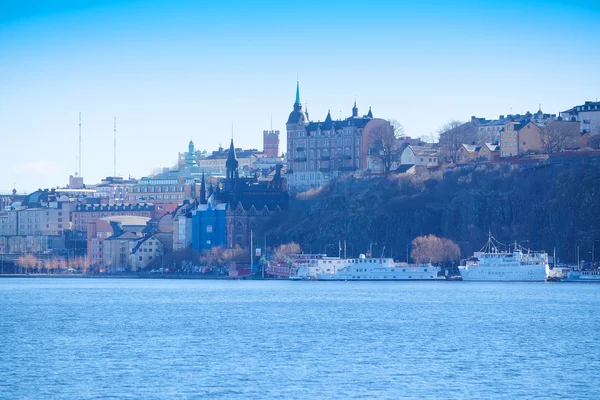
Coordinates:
[158,189]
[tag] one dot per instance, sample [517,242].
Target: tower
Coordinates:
[232,166]
[115,149]
[271,143]
[203,190]
[355,110]
[190,159]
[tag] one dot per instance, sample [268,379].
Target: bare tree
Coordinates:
[559,135]
[453,135]
[285,252]
[430,248]
[382,140]
[594,141]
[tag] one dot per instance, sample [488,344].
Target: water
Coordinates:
[151,339]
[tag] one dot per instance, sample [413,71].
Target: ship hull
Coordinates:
[533,273]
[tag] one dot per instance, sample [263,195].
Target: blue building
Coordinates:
[209,222]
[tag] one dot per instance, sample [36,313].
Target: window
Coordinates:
[209,229]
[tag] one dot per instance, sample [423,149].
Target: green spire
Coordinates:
[297,92]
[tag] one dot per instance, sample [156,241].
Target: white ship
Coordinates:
[574,274]
[490,264]
[325,268]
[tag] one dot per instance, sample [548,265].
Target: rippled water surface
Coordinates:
[113,338]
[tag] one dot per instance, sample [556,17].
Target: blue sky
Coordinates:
[171,71]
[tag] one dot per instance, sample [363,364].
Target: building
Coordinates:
[109,241]
[271,143]
[182,226]
[145,251]
[236,208]
[424,156]
[588,116]
[489,130]
[114,188]
[520,138]
[35,224]
[215,163]
[83,214]
[318,152]
[189,158]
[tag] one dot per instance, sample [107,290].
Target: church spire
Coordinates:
[370,114]
[232,163]
[202,190]
[297,93]
[355,110]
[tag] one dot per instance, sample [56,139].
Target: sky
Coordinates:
[171,71]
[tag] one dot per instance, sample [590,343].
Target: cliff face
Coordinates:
[544,207]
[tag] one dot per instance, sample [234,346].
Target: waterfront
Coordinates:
[124,338]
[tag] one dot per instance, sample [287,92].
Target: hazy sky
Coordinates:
[170,71]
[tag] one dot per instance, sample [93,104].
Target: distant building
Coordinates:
[145,251]
[109,240]
[317,152]
[114,188]
[83,214]
[485,153]
[228,213]
[182,226]
[588,116]
[489,130]
[215,163]
[271,143]
[424,156]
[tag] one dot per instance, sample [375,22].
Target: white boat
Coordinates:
[577,275]
[372,269]
[519,265]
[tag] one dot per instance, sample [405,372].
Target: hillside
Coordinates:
[543,207]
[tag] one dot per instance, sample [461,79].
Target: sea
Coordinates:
[82,338]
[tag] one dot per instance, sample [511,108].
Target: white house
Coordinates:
[420,155]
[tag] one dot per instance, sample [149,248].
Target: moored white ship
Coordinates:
[363,269]
[491,264]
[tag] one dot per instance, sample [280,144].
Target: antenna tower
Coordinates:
[115,149]
[79,160]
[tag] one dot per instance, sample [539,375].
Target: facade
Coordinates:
[271,143]
[426,156]
[318,152]
[83,214]
[117,250]
[227,214]
[114,188]
[209,225]
[215,163]
[102,229]
[588,116]
[520,138]
[487,152]
[182,226]
[145,251]
[35,224]
[489,130]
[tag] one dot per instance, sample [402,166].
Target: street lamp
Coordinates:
[594,250]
